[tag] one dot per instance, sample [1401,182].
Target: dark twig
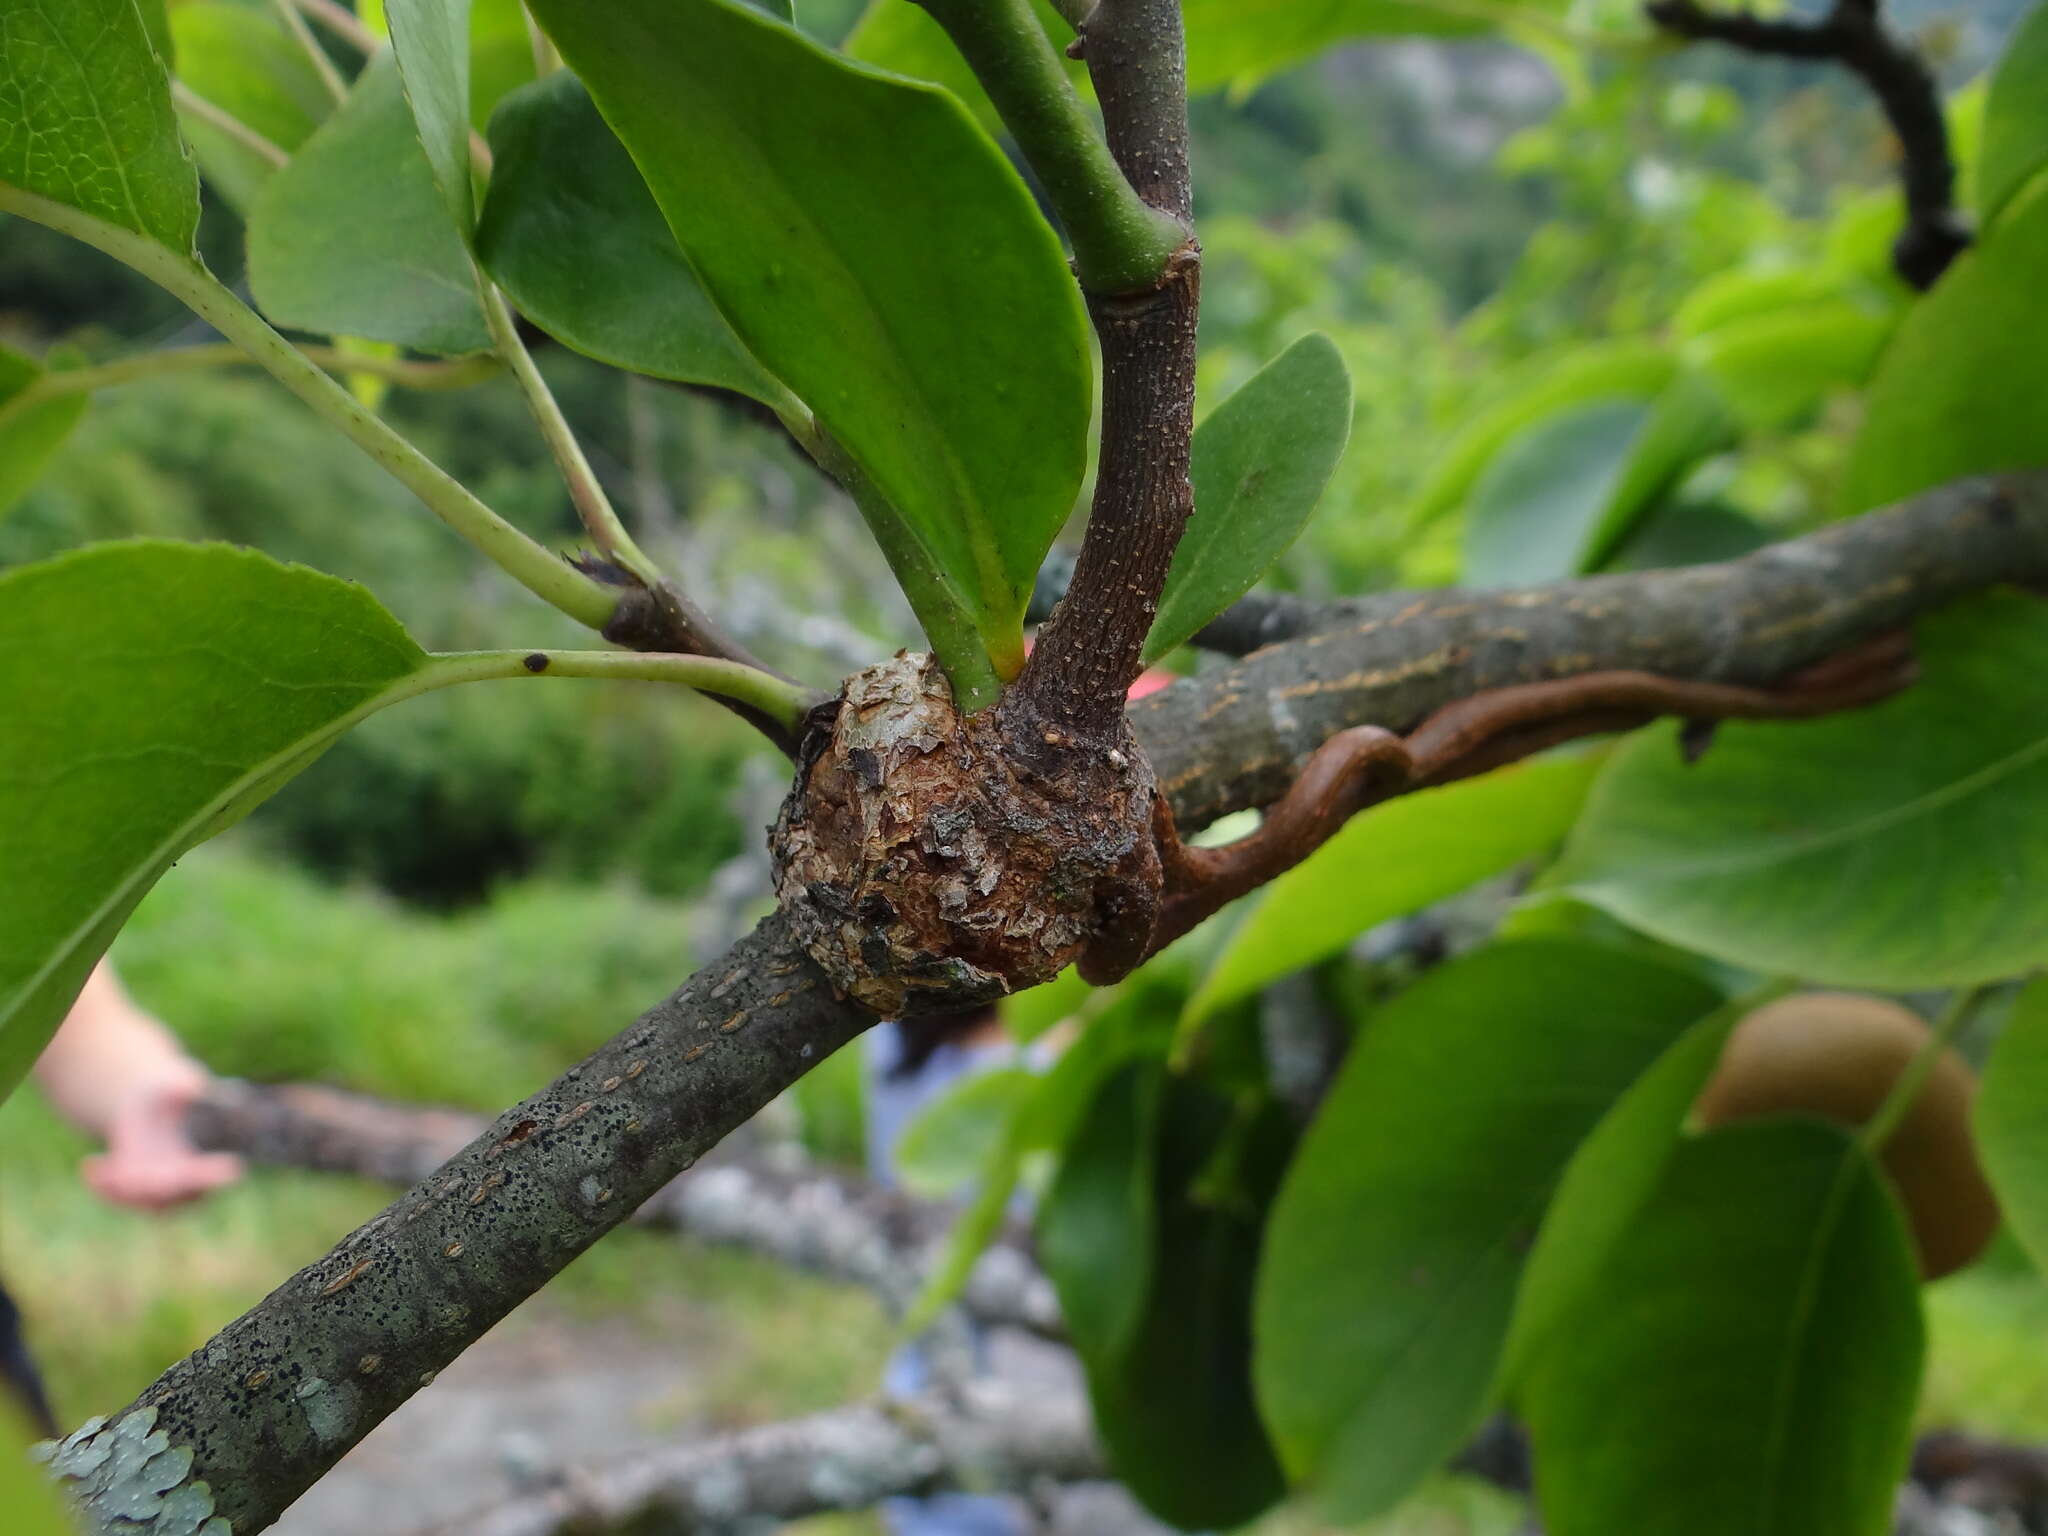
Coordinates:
[1854,35]
[1255,620]
[1088,650]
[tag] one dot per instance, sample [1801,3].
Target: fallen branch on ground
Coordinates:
[824,1221]
[987,1438]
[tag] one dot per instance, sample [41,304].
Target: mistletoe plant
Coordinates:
[695,191]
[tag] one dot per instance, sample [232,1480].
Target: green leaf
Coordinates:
[953,1137]
[1394,859]
[1897,847]
[1750,1358]
[2011,1120]
[1545,386]
[2015,119]
[1533,508]
[1609,1179]
[1963,387]
[1774,370]
[154,692]
[156,25]
[86,119]
[1170,1383]
[31,430]
[1390,1262]
[1682,532]
[241,61]
[1037,1123]
[431,40]
[1096,1223]
[1689,422]
[1728,298]
[500,49]
[352,238]
[572,234]
[1261,460]
[1240,42]
[1561,497]
[903,285]
[500,55]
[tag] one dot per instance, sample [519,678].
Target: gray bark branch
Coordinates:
[826,1222]
[277,1396]
[987,1438]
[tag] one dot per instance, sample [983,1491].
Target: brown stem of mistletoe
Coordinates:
[1089,650]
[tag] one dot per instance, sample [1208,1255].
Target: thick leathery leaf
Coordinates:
[353,238]
[1097,1222]
[1895,847]
[153,693]
[1390,1263]
[1750,1358]
[1260,462]
[1171,1387]
[1546,386]
[571,233]
[1564,495]
[903,285]
[1963,387]
[1394,859]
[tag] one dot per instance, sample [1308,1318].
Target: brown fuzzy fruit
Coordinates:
[929,861]
[1836,1055]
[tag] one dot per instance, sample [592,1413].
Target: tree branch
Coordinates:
[986,1438]
[276,1397]
[1255,620]
[1121,242]
[1854,35]
[826,1222]
[1088,650]
[1239,737]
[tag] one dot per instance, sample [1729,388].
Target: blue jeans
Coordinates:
[891,1102]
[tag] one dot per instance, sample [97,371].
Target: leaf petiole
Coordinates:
[783,701]
[525,560]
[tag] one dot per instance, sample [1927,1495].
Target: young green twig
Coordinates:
[341,22]
[189,100]
[533,567]
[784,702]
[1121,243]
[405,372]
[294,23]
[599,518]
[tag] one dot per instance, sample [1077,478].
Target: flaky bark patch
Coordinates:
[930,860]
